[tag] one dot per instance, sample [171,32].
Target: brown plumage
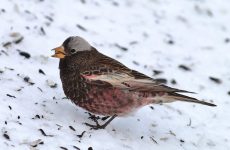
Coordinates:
[104,86]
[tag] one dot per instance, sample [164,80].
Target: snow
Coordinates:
[159,35]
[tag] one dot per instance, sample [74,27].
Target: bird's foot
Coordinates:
[97,126]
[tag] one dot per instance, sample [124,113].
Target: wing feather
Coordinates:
[122,77]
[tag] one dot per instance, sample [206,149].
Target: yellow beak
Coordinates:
[59,52]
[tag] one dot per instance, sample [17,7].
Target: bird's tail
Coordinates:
[170,97]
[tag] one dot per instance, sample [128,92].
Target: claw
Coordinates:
[98,126]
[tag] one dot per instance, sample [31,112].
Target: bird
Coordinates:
[104,86]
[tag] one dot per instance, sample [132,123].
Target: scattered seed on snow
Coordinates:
[90,148]
[39,89]
[6,44]
[49,18]
[216,80]
[51,83]
[151,107]
[27,79]
[77,148]
[63,148]
[41,71]
[81,135]
[227,40]
[18,40]
[136,63]
[185,68]
[36,143]
[173,81]
[81,27]
[72,128]
[153,140]
[9,95]
[164,138]
[42,31]
[133,42]
[24,54]
[44,134]
[121,47]
[157,72]
[1,71]
[5,135]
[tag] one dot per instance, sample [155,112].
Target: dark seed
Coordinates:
[216,80]
[39,89]
[121,47]
[41,143]
[5,135]
[133,43]
[161,80]
[49,18]
[228,92]
[10,95]
[76,147]
[19,40]
[4,52]
[136,63]
[54,85]
[41,71]
[142,137]
[170,42]
[63,148]
[182,141]
[153,140]
[6,44]
[72,128]
[24,54]
[157,72]
[36,117]
[11,69]
[173,81]
[27,79]
[81,135]
[185,68]
[42,31]
[10,107]
[90,148]
[81,27]
[151,107]
[83,1]
[227,40]
[43,133]
[115,3]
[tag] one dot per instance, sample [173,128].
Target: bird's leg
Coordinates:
[98,126]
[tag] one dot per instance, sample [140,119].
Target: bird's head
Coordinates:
[71,46]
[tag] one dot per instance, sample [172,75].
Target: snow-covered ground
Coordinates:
[188,40]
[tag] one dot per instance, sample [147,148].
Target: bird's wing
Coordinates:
[114,74]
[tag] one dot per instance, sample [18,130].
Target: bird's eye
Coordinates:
[73,51]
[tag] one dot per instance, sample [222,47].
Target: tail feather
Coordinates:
[175,96]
